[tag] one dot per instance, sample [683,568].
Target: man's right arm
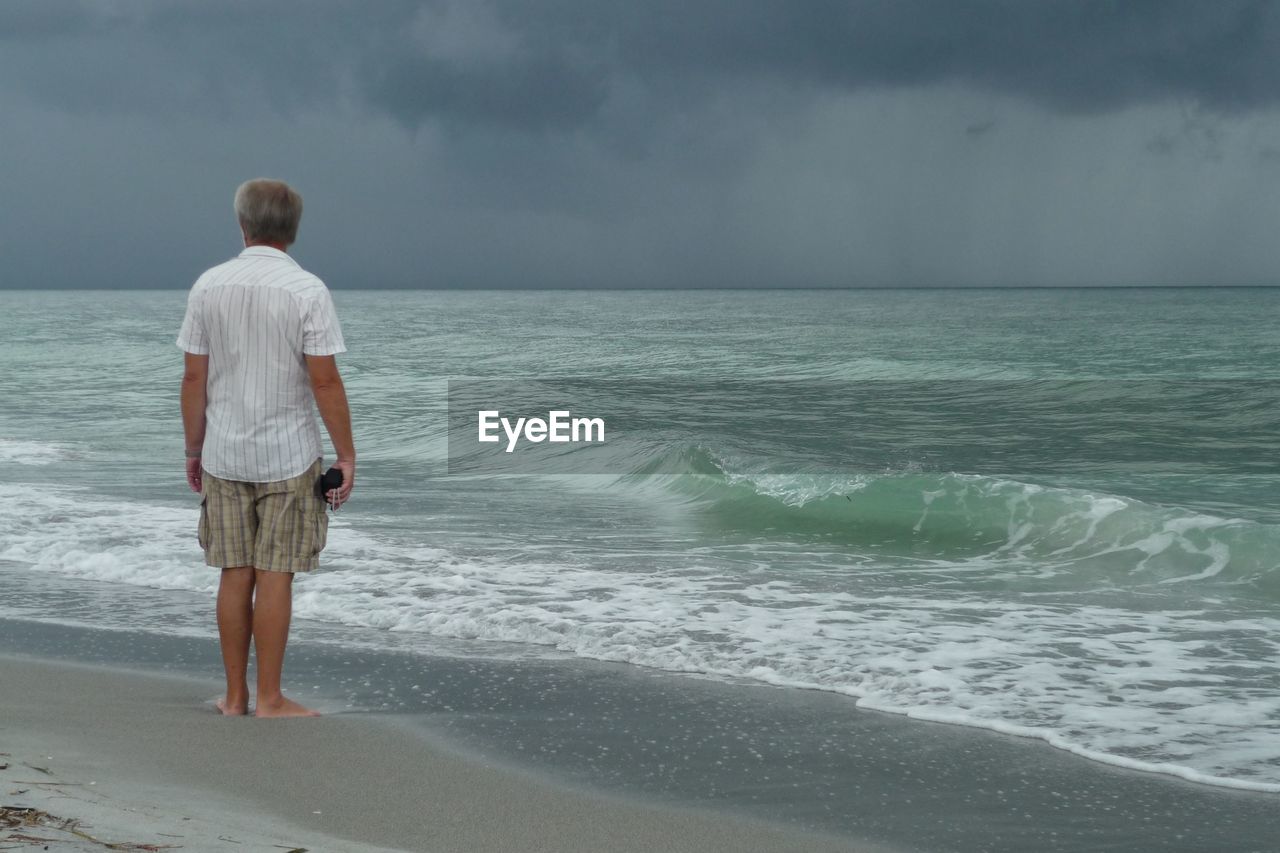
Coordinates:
[331,400]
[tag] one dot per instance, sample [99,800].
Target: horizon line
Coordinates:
[709,287]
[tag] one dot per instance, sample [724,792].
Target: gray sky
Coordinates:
[667,143]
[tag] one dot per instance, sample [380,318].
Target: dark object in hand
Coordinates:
[331,479]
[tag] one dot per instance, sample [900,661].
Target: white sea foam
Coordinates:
[66,530]
[15,451]
[1178,691]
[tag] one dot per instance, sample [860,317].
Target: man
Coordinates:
[260,335]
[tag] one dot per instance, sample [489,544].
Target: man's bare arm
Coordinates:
[331,400]
[194,377]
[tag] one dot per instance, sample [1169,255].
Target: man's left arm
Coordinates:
[194,377]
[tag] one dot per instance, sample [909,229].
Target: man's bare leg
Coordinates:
[271,613]
[235,628]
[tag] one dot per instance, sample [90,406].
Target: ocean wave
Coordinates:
[1084,537]
[1188,691]
[23,452]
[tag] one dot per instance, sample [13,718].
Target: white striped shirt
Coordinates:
[256,316]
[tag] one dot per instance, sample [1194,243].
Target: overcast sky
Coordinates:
[659,143]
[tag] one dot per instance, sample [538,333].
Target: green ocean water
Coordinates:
[819,489]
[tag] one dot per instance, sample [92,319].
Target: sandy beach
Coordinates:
[139,759]
[543,755]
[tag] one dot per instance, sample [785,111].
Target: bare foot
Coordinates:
[232,709]
[283,707]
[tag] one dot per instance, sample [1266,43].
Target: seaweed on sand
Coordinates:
[17,819]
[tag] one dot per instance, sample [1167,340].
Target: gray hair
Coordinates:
[269,211]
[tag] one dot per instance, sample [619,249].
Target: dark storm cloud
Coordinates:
[553,64]
[648,142]
[538,92]
[1068,54]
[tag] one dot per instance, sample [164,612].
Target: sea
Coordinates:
[1045,513]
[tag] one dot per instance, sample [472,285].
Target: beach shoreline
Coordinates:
[140,758]
[701,759]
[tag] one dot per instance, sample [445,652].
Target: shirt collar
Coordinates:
[266,252]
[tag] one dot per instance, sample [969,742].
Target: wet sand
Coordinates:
[142,759]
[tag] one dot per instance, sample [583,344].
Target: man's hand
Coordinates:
[337,497]
[331,400]
[195,475]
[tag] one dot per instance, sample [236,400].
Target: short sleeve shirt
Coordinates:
[256,317]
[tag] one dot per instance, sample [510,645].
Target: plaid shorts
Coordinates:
[276,527]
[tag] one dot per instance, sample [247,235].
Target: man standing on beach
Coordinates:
[260,335]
